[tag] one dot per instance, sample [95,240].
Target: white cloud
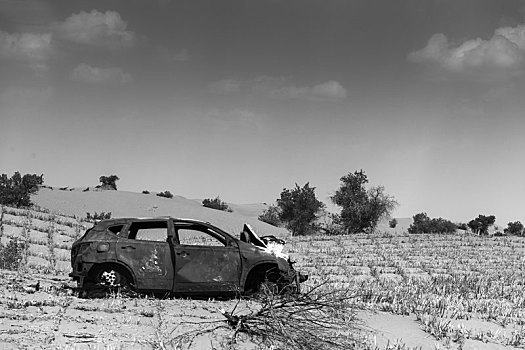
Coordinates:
[504,53]
[281,88]
[32,49]
[93,75]
[330,89]
[97,28]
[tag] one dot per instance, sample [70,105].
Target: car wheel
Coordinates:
[111,277]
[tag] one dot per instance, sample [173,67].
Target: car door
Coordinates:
[206,260]
[145,248]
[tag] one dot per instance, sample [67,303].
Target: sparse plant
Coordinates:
[514,228]
[299,208]
[12,254]
[98,216]
[481,224]
[361,208]
[165,194]
[271,216]
[216,203]
[392,223]
[17,189]
[423,224]
[109,182]
[321,318]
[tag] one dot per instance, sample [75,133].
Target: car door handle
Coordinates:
[183,254]
[128,247]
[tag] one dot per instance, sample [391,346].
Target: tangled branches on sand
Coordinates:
[321,318]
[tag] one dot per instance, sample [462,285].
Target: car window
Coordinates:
[149,231]
[201,236]
[115,229]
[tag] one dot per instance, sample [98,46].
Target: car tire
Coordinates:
[112,277]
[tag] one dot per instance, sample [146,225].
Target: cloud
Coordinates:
[330,89]
[97,29]
[93,75]
[32,49]
[281,88]
[504,53]
[225,87]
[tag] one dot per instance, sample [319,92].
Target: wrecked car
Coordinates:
[180,257]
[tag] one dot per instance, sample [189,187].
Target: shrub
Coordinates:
[145,192]
[362,209]
[98,216]
[11,256]
[109,182]
[514,228]
[299,208]
[16,190]
[423,224]
[271,216]
[165,194]
[392,223]
[480,225]
[216,203]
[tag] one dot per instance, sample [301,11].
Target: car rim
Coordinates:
[110,278]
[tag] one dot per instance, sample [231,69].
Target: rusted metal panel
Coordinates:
[200,268]
[150,261]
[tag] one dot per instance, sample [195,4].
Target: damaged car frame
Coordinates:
[180,257]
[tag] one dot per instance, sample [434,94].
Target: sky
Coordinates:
[240,99]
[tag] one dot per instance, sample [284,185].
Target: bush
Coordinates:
[362,209]
[392,223]
[16,190]
[98,216]
[423,224]
[299,208]
[480,225]
[11,256]
[216,203]
[165,194]
[109,182]
[145,192]
[514,228]
[271,216]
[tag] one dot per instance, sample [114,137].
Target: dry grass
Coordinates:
[459,289]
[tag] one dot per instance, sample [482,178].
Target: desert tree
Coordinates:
[299,208]
[480,225]
[109,181]
[514,228]
[17,189]
[362,208]
[423,224]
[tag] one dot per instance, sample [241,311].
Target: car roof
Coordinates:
[147,218]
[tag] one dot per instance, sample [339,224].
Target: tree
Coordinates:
[362,209]
[480,225]
[423,224]
[298,209]
[216,203]
[17,189]
[514,228]
[109,182]
[271,216]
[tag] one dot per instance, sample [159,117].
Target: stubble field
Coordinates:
[409,292]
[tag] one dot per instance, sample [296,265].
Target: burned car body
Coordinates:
[178,256]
